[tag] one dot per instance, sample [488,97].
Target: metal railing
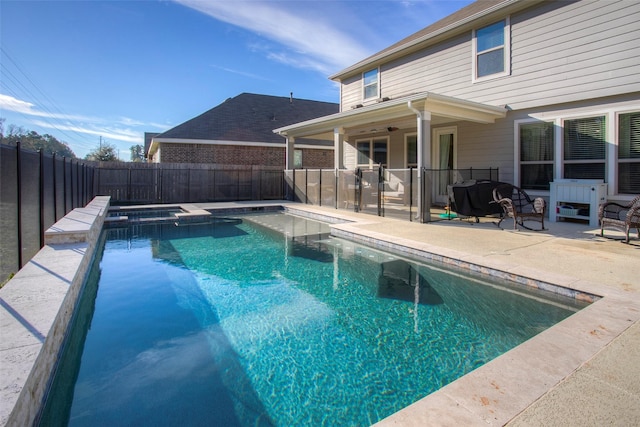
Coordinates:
[380,191]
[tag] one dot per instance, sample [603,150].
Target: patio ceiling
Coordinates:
[394,113]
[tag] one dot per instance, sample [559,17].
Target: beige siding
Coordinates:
[487,146]
[351,93]
[561,52]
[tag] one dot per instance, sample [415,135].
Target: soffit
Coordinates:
[396,112]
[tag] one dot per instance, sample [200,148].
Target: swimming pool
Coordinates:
[266,320]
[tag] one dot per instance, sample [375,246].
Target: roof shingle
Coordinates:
[250,118]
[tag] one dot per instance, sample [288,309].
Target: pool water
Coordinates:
[265,320]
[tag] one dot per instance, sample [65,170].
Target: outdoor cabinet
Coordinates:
[576,199]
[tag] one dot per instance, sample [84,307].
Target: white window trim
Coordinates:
[611,113]
[377,96]
[507,54]
[370,140]
[608,128]
[516,151]
[612,150]
[406,149]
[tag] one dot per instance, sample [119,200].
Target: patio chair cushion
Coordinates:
[619,215]
[517,204]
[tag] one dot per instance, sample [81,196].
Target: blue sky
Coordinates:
[85,70]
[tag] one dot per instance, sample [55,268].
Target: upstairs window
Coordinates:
[491,56]
[370,84]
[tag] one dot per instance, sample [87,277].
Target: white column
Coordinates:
[424,140]
[338,148]
[290,156]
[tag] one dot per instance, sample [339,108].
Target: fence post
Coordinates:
[64,185]
[129,184]
[410,194]
[335,188]
[320,189]
[19,202]
[55,191]
[41,198]
[73,202]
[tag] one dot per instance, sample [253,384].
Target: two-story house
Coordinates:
[543,90]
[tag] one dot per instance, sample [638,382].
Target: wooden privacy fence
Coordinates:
[139,183]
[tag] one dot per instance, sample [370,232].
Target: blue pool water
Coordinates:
[264,320]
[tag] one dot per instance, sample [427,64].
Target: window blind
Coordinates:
[584,139]
[629,136]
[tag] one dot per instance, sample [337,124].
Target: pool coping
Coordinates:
[36,307]
[491,395]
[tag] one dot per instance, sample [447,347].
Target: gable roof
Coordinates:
[460,21]
[249,118]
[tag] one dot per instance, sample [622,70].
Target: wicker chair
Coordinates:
[625,217]
[517,204]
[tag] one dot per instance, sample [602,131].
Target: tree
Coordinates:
[34,141]
[103,153]
[137,153]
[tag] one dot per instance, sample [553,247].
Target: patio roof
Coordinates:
[396,112]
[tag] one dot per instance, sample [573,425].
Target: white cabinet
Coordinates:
[577,199]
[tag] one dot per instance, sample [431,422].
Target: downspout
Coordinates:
[419,147]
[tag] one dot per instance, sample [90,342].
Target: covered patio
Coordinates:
[399,152]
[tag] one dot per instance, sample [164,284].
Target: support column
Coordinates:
[290,153]
[424,161]
[338,148]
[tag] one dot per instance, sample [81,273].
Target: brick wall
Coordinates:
[222,154]
[317,158]
[240,155]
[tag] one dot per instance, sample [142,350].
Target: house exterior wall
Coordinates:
[569,60]
[482,146]
[238,155]
[560,52]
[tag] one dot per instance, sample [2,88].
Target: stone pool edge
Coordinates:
[36,306]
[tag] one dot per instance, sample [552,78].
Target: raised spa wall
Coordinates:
[36,307]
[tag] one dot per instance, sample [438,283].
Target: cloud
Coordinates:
[9,103]
[124,135]
[306,39]
[241,73]
[120,129]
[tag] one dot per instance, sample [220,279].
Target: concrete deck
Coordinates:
[584,371]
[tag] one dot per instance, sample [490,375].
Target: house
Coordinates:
[542,90]
[239,132]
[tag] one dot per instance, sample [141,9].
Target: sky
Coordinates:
[90,72]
